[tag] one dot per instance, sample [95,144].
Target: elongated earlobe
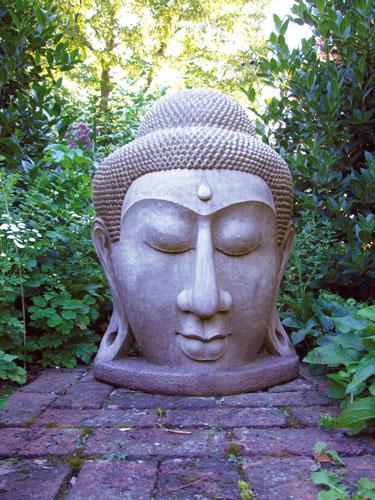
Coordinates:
[102,242]
[277,340]
[117,338]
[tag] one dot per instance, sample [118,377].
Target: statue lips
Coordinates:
[203,349]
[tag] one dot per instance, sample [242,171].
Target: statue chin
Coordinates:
[194,277]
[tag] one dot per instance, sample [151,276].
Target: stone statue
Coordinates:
[193,232]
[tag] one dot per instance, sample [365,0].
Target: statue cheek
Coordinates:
[149,283]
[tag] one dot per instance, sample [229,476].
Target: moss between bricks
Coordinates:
[292,421]
[86,431]
[234,455]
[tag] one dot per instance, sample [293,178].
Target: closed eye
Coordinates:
[237,250]
[169,247]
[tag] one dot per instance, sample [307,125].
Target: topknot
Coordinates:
[196,108]
[193,129]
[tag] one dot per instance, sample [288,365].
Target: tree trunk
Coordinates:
[105,88]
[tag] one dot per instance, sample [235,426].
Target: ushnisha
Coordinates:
[193,231]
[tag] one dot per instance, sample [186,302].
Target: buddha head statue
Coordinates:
[193,231]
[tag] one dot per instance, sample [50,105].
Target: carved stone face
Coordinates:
[196,267]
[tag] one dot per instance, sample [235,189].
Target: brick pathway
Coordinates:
[66,435]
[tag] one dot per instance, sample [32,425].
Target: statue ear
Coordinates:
[117,338]
[284,252]
[102,243]
[277,340]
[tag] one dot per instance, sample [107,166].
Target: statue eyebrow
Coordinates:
[186,209]
[177,206]
[228,208]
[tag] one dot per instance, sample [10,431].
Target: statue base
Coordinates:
[137,374]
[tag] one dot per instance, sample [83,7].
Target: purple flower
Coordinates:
[79,132]
[72,145]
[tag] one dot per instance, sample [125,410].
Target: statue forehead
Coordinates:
[203,191]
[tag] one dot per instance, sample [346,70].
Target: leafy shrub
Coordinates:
[55,303]
[304,266]
[9,370]
[333,486]
[118,123]
[322,123]
[344,335]
[32,103]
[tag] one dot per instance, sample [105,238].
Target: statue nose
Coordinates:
[204,298]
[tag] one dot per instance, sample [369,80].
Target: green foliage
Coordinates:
[333,487]
[344,333]
[116,125]
[181,43]
[9,370]
[56,299]
[309,318]
[321,449]
[322,123]
[246,491]
[31,95]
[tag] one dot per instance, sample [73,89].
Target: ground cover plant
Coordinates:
[339,335]
[331,484]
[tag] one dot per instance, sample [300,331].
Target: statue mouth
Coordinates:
[203,349]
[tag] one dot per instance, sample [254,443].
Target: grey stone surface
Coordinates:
[194,247]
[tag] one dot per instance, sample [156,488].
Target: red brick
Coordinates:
[183,478]
[358,467]
[309,416]
[88,376]
[22,407]
[86,395]
[97,418]
[320,383]
[263,399]
[123,399]
[227,418]
[29,479]
[54,380]
[114,480]
[36,442]
[295,385]
[155,443]
[298,442]
[283,478]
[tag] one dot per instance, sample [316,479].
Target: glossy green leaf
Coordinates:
[331,355]
[357,414]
